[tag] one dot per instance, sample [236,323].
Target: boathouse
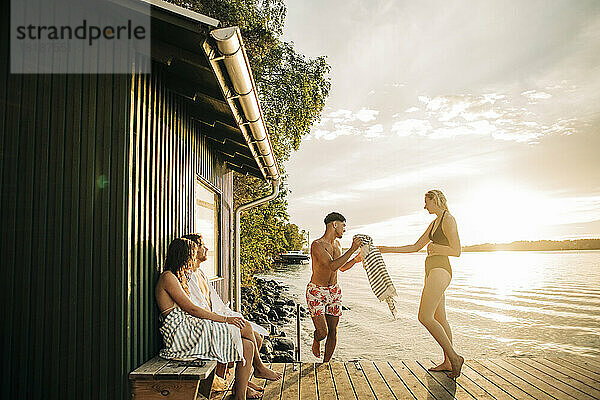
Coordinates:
[98,173]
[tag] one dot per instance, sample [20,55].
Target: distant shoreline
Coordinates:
[538,245]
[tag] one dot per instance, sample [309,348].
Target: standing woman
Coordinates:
[442,236]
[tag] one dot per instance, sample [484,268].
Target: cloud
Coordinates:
[411,109]
[374,131]
[365,115]
[534,95]
[344,122]
[497,115]
[409,127]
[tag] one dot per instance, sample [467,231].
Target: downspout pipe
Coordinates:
[238,247]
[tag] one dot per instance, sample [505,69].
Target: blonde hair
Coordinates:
[438,198]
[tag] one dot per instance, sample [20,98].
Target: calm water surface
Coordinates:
[499,304]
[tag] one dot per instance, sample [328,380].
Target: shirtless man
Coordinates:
[323,294]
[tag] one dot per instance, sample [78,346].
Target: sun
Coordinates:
[502,212]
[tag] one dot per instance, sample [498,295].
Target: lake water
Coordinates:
[499,304]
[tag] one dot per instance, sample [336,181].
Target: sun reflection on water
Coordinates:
[506,273]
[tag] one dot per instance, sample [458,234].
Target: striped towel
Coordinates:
[189,338]
[218,306]
[380,280]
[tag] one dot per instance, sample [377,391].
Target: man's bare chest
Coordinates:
[332,250]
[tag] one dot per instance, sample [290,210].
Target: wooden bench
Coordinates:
[165,379]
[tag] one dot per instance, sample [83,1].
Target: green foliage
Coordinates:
[292,91]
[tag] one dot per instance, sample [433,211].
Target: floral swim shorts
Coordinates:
[323,300]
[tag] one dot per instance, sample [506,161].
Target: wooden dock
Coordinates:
[508,378]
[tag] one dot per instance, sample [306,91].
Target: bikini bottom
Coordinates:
[432,262]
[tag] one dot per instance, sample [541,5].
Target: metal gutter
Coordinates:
[230,63]
[231,66]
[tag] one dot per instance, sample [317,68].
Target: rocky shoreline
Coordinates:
[270,305]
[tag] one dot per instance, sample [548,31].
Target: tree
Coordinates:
[292,90]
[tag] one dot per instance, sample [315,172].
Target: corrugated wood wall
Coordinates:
[62,213]
[96,176]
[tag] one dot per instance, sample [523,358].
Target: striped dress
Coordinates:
[189,338]
[379,279]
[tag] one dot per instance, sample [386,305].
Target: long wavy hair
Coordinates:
[181,257]
[438,198]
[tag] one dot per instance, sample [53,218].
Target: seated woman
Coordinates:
[191,332]
[203,295]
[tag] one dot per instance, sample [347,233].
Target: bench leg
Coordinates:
[205,385]
[167,389]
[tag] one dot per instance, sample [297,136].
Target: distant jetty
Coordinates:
[538,245]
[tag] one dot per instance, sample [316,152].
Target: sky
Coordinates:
[496,103]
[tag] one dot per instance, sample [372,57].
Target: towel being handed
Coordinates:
[380,280]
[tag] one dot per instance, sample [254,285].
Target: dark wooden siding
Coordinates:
[96,177]
[62,212]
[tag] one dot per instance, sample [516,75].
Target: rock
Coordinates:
[289,310]
[282,357]
[263,308]
[273,316]
[279,303]
[260,318]
[267,347]
[283,344]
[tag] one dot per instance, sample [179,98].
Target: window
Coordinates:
[206,222]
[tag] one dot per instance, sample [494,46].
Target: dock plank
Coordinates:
[359,381]
[584,363]
[376,381]
[533,377]
[594,362]
[500,381]
[516,380]
[308,381]
[273,388]
[325,386]
[575,367]
[465,383]
[485,384]
[291,383]
[418,390]
[343,387]
[557,380]
[396,385]
[432,384]
[587,383]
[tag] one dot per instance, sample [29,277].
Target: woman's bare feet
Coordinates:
[316,348]
[456,367]
[253,394]
[445,366]
[255,386]
[267,373]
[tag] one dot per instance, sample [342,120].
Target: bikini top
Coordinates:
[438,237]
